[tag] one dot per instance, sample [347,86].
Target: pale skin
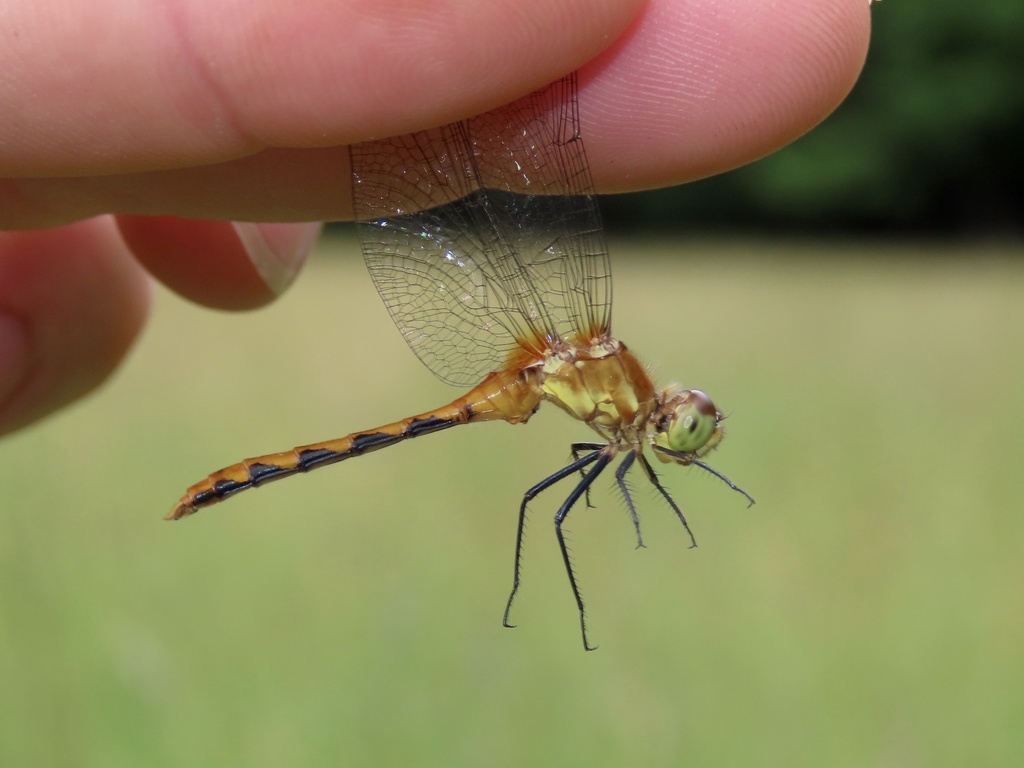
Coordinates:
[136,134]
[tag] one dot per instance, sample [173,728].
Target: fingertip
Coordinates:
[72,301]
[278,251]
[219,264]
[695,89]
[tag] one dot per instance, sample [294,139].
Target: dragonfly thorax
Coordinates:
[601,384]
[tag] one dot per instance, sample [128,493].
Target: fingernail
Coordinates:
[15,354]
[277,251]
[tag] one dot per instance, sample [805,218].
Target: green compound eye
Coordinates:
[692,423]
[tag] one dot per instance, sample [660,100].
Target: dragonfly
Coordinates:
[484,239]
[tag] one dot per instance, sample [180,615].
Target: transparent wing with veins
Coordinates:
[483,237]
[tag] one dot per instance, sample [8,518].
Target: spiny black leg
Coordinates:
[725,480]
[653,477]
[577,449]
[620,478]
[547,482]
[686,459]
[563,512]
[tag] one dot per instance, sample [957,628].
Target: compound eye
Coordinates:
[692,424]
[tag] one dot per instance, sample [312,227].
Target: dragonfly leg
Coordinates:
[653,477]
[577,466]
[620,478]
[577,450]
[687,459]
[563,512]
[726,480]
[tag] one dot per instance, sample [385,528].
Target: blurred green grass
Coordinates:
[867,612]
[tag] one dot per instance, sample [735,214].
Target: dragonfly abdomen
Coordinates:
[257,471]
[508,396]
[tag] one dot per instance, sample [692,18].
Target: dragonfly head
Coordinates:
[686,426]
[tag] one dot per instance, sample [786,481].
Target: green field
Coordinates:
[867,612]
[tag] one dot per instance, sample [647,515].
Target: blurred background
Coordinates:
[855,303]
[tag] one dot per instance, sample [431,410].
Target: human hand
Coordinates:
[133,139]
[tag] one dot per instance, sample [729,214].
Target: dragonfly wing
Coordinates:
[483,237]
[534,151]
[425,244]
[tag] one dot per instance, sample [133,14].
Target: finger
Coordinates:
[275,185]
[72,300]
[688,91]
[122,86]
[219,264]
